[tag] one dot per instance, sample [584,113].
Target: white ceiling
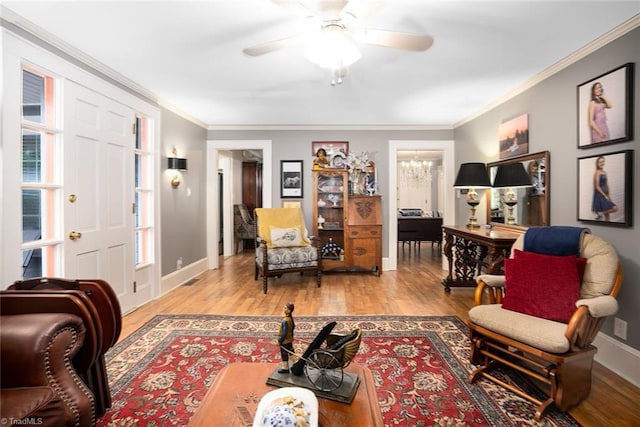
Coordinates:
[189,56]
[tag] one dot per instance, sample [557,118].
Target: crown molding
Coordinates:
[169,106]
[574,57]
[40,37]
[331,127]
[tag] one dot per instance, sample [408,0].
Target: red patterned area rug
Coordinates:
[161,372]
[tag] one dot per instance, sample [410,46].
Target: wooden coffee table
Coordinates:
[234,396]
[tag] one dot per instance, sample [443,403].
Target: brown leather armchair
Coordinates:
[37,381]
[95,302]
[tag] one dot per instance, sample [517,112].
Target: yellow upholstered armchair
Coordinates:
[244,226]
[283,245]
[542,316]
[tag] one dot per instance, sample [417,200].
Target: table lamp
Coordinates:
[511,176]
[470,177]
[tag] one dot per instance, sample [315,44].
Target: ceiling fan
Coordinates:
[337,26]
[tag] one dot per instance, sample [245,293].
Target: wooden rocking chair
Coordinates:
[556,355]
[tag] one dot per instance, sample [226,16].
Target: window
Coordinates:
[40,183]
[144,195]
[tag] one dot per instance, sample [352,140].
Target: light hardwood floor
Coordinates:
[413,289]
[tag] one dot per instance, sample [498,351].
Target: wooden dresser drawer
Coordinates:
[365,232]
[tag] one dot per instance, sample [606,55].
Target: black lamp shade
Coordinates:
[512,175]
[176,163]
[472,175]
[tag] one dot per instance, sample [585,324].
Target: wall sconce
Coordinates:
[177,164]
[472,176]
[511,176]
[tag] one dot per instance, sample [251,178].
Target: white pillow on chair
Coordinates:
[286,237]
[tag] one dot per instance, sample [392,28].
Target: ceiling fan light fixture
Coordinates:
[332,48]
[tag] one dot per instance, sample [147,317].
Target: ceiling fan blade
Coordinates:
[262,48]
[394,39]
[294,6]
[362,11]
[330,10]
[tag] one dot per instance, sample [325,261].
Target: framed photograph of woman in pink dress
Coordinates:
[605,188]
[605,108]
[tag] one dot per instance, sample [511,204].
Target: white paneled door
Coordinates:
[99,191]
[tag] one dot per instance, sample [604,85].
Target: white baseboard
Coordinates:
[618,357]
[179,277]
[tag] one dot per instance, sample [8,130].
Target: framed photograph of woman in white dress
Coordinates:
[605,108]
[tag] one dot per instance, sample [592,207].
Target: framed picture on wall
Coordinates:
[513,136]
[330,147]
[291,179]
[605,190]
[605,108]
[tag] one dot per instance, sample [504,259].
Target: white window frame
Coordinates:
[52,213]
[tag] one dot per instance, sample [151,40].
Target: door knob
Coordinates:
[75,235]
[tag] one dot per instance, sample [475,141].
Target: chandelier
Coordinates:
[415,171]
[334,49]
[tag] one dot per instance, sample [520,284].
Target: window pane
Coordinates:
[39,262]
[31,215]
[31,157]
[137,248]
[142,134]
[37,98]
[138,168]
[32,97]
[138,134]
[32,263]
[137,220]
[143,171]
[36,224]
[143,201]
[38,157]
[142,242]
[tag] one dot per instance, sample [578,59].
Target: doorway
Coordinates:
[446,148]
[223,211]
[420,199]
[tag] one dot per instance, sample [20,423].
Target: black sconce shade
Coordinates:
[176,163]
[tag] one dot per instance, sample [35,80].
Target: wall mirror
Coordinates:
[531,207]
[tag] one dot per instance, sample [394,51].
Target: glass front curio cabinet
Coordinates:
[349,226]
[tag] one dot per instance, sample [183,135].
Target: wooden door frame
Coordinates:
[213,212]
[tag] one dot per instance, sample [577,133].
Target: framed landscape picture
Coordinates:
[291,179]
[513,136]
[605,108]
[605,188]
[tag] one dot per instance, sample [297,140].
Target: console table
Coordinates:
[471,252]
